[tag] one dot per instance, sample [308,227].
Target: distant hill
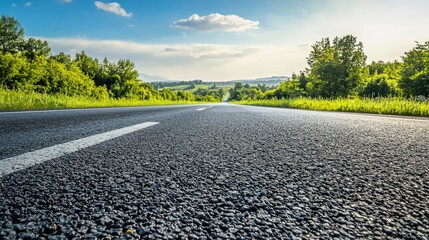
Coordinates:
[153,78]
[269,81]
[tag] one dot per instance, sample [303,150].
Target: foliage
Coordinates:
[207,95]
[159,85]
[415,74]
[377,87]
[244,92]
[14,70]
[63,59]
[382,80]
[191,87]
[35,47]
[336,68]
[11,35]
[19,100]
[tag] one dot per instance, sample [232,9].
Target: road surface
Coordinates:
[212,171]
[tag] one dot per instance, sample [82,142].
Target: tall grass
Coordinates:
[16,100]
[394,106]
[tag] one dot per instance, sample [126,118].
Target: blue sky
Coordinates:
[219,39]
[151,20]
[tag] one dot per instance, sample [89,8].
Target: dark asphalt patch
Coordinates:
[232,172]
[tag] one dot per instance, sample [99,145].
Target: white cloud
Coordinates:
[13,5]
[189,61]
[28,4]
[65,1]
[216,22]
[113,7]
[387,28]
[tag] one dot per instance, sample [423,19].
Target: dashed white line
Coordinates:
[201,109]
[13,164]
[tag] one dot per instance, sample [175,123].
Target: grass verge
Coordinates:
[393,106]
[16,100]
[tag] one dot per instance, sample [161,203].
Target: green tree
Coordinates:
[235,93]
[70,82]
[415,73]
[119,74]
[104,77]
[246,92]
[185,95]
[376,67]
[36,47]
[221,92]
[14,71]
[382,80]
[63,58]
[290,88]
[89,66]
[11,35]
[294,87]
[377,87]
[337,68]
[37,73]
[191,87]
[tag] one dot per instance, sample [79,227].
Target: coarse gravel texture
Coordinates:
[232,172]
[22,132]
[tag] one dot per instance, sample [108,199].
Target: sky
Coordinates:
[217,40]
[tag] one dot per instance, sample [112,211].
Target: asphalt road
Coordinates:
[217,171]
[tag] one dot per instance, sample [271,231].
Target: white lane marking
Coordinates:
[201,109]
[13,164]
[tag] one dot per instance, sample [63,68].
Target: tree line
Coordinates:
[338,69]
[29,65]
[159,85]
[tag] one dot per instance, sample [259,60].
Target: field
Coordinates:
[393,106]
[198,86]
[14,100]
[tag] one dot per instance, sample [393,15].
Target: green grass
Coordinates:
[178,87]
[15,100]
[393,106]
[184,87]
[225,88]
[202,86]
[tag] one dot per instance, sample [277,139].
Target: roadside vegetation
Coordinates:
[17,100]
[338,79]
[32,77]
